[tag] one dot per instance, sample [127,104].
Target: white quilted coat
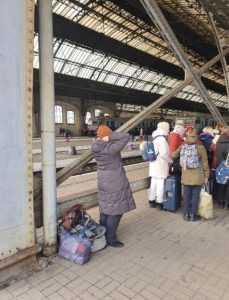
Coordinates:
[160,167]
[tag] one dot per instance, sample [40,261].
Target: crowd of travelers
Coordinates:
[140,133]
[179,156]
[211,146]
[115,197]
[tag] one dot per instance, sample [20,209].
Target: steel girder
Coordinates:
[164,28]
[221,43]
[188,37]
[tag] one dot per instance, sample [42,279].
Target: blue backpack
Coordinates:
[222,171]
[149,153]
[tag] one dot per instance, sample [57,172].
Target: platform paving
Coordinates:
[164,258]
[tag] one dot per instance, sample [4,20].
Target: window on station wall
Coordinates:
[97,112]
[88,118]
[70,117]
[58,114]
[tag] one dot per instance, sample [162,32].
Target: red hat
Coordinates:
[103,131]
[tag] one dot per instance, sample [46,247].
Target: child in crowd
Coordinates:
[195,173]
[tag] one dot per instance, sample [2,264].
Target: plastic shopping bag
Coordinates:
[205,208]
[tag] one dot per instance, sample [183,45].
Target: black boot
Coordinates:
[160,206]
[152,204]
[194,218]
[221,204]
[186,217]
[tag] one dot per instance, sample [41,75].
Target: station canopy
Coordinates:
[115,43]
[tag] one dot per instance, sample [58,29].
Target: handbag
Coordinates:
[222,171]
[95,232]
[73,216]
[75,246]
[205,207]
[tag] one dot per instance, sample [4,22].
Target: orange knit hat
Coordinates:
[103,131]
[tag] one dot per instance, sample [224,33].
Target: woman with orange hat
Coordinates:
[115,195]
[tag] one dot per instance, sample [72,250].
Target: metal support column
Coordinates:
[164,28]
[47,125]
[87,156]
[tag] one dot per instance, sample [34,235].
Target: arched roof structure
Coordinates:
[110,50]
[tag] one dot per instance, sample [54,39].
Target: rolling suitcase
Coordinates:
[172,193]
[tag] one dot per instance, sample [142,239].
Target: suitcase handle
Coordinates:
[168,194]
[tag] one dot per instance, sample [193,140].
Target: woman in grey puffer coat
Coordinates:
[115,195]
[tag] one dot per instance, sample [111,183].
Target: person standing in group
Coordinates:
[175,138]
[115,195]
[141,133]
[195,173]
[206,137]
[222,149]
[159,168]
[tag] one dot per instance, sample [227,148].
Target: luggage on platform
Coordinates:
[172,193]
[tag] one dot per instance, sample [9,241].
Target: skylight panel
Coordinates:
[36,61]
[111,78]
[122,81]
[58,65]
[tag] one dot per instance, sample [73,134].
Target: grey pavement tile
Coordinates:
[4,294]
[35,294]
[163,258]
[66,293]
[149,295]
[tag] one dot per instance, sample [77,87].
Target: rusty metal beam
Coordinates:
[167,33]
[87,156]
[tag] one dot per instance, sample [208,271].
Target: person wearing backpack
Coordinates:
[175,140]
[222,149]
[115,195]
[159,168]
[195,173]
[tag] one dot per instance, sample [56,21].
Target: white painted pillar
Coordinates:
[16,82]
[47,101]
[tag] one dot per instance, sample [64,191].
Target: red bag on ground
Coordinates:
[73,216]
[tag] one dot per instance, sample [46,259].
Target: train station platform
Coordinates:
[164,257]
[81,144]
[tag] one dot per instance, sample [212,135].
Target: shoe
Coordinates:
[186,217]
[194,218]
[221,204]
[117,244]
[152,204]
[160,206]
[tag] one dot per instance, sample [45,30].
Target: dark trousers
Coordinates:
[191,198]
[111,224]
[223,194]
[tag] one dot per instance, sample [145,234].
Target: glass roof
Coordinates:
[107,18]
[78,61]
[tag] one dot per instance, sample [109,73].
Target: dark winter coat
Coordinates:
[207,141]
[206,138]
[222,148]
[115,195]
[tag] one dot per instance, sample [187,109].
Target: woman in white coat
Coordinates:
[159,169]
